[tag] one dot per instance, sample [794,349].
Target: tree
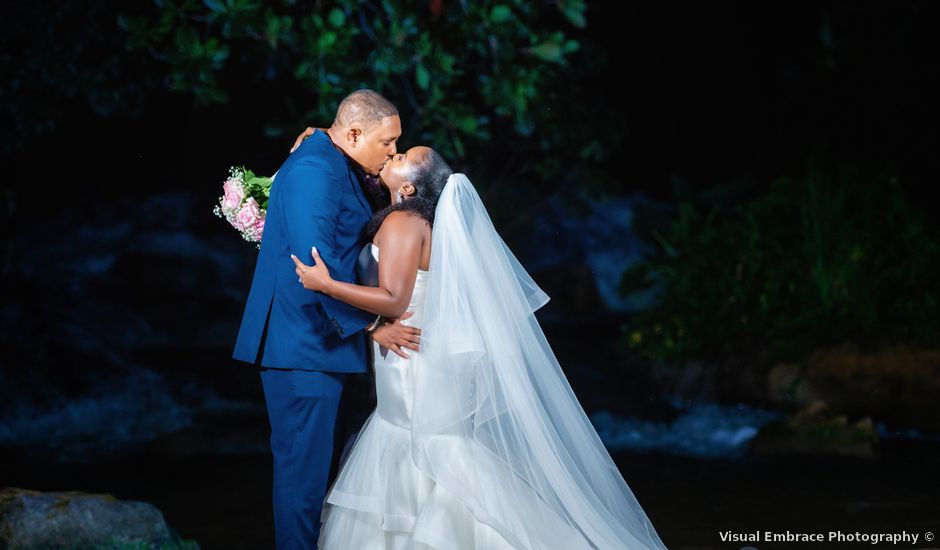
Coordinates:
[457,71]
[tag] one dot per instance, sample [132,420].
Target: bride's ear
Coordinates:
[407,189]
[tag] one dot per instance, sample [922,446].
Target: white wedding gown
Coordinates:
[382,500]
[478,441]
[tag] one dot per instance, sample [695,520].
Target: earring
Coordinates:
[400,197]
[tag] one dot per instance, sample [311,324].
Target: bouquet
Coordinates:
[244,202]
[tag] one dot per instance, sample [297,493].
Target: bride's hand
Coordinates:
[315,277]
[304,135]
[300,139]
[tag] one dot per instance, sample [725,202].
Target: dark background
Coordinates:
[701,93]
[123,293]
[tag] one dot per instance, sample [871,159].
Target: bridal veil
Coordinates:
[489,393]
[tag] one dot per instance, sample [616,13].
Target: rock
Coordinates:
[815,429]
[898,385]
[735,380]
[72,519]
[787,385]
[693,380]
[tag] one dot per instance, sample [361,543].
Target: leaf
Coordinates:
[302,69]
[422,77]
[326,40]
[467,123]
[573,10]
[667,248]
[220,55]
[215,5]
[500,14]
[424,44]
[458,146]
[447,62]
[337,17]
[548,51]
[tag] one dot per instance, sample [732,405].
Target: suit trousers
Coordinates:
[302,408]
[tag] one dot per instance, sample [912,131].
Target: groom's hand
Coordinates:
[394,336]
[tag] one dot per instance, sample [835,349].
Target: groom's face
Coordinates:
[378,145]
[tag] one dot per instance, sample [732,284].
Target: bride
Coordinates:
[477,440]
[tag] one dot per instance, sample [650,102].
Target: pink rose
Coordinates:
[259,226]
[234,193]
[248,216]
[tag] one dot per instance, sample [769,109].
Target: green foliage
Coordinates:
[448,66]
[814,261]
[503,89]
[258,187]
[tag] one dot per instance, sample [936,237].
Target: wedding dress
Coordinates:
[469,448]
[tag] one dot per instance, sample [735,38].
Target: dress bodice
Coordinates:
[394,376]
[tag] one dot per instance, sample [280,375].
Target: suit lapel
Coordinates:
[357,188]
[351,172]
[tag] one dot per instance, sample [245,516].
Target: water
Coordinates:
[601,239]
[706,430]
[225,501]
[144,405]
[120,415]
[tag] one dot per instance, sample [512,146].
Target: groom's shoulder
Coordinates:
[311,162]
[318,151]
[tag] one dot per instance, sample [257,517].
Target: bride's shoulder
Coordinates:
[404,219]
[400,222]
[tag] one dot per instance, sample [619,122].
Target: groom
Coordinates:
[305,342]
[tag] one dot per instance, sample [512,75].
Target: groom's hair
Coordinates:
[363,108]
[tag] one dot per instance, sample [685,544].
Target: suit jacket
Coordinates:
[316,200]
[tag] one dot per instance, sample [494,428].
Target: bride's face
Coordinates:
[399,169]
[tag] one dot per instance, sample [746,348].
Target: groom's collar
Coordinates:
[370,185]
[349,160]
[323,135]
[376,193]
[373,188]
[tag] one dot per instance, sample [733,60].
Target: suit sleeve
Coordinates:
[311,209]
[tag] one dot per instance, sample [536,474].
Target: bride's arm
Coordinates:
[401,237]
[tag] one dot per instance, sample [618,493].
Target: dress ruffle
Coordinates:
[383,501]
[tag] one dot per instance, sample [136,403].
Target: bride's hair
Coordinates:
[429,179]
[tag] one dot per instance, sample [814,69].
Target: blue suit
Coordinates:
[306,342]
